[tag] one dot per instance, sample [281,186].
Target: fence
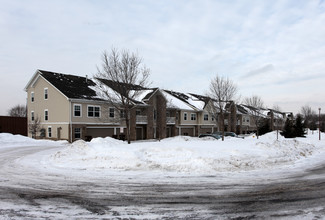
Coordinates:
[13,125]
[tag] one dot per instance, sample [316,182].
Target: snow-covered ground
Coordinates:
[57,180]
[178,155]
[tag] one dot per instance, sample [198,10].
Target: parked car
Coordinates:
[216,136]
[228,134]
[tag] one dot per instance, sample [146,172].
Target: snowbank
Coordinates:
[188,154]
[10,140]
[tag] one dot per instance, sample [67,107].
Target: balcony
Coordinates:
[141,119]
[170,120]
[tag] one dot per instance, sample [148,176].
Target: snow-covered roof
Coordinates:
[174,102]
[185,101]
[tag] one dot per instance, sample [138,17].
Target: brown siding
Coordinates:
[13,125]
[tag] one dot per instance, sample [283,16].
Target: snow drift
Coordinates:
[187,154]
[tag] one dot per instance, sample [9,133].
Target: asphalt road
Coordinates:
[26,193]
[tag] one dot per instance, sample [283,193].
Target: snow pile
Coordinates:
[187,154]
[10,140]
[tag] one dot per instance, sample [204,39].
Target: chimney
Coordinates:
[86,78]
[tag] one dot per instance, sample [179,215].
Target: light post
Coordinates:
[319,122]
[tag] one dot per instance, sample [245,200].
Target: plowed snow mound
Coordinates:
[185,154]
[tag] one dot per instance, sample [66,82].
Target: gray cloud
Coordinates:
[271,43]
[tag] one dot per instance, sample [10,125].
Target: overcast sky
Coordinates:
[274,49]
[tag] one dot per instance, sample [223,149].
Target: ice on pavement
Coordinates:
[188,154]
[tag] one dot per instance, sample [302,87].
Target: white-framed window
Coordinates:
[206,117]
[185,116]
[49,131]
[46,114]
[93,111]
[32,116]
[193,116]
[77,133]
[77,110]
[111,112]
[32,97]
[46,93]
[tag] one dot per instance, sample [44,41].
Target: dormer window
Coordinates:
[32,97]
[46,95]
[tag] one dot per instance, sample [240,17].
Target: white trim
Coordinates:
[94,106]
[70,122]
[32,96]
[46,93]
[32,80]
[46,110]
[49,127]
[54,123]
[104,127]
[74,134]
[74,110]
[194,116]
[109,112]
[185,113]
[90,123]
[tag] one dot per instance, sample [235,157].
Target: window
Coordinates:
[77,133]
[111,112]
[49,132]
[122,114]
[93,111]
[32,116]
[46,95]
[77,110]
[206,117]
[32,97]
[138,112]
[185,116]
[193,116]
[46,115]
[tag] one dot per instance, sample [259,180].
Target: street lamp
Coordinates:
[319,122]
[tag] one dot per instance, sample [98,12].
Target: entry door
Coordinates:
[139,132]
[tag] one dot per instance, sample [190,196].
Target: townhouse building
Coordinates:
[68,107]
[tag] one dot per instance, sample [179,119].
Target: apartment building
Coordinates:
[68,107]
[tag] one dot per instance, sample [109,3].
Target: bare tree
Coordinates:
[34,126]
[18,111]
[307,114]
[255,104]
[222,91]
[121,79]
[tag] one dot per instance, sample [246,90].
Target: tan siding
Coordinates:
[56,104]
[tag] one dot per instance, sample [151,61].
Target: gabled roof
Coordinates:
[123,88]
[186,101]
[71,86]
